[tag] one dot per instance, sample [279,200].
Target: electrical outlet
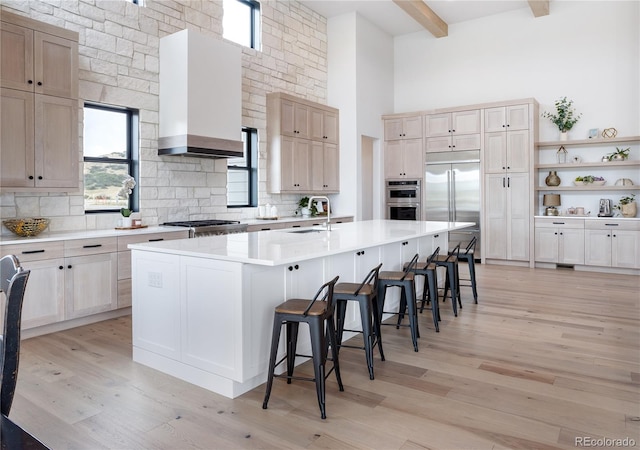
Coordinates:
[155,279]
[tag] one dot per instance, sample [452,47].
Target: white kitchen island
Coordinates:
[203,308]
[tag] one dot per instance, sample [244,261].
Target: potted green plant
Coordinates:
[305,209]
[627,206]
[565,116]
[620,154]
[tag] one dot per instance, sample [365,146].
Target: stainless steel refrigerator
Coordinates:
[452,193]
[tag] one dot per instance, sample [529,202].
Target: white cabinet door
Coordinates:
[412,159]
[303,279]
[403,128]
[625,249]
[44,295]
[509,118]
[570,246]
[518,216]
[495,155]
[517,151]
[597,250]
[91,284]
[495,245]
[546,247]
[507,216]
[438,125]
[465,122]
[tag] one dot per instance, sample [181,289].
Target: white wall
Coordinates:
[588,51]
[360,84]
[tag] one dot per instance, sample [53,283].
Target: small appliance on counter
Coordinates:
[605,208]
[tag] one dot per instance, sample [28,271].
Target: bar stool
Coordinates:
[450,262]
[405,281]
[318,314]
[365,294]
[468,256]
[430,289]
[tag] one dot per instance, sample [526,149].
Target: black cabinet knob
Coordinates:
[296,267]
[39,83]
[31,177]
[60,267]
[40,177]
[290,268]
[69,266]
[30,81]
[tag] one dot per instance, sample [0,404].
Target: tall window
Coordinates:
[242,179]
[110,157]
[241,22]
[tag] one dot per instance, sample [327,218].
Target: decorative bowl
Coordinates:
[585,183]
[30,226]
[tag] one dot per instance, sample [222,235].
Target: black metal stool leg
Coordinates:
[472,275]
[292,343]
[376,323]
[331,333]
[365,317]
[275,340]
[318,350]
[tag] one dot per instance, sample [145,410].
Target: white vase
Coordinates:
[306,212]
[564,135]
[126,222]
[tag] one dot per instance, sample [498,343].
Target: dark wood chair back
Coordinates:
[13,282]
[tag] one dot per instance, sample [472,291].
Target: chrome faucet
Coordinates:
[322,197]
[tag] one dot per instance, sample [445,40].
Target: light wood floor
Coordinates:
[546,356]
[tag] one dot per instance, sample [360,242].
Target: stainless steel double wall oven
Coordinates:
[403,199]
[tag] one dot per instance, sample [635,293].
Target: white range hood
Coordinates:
[200,96]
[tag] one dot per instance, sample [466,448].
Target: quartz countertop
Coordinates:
[7,239]
[288,219]
[277,247]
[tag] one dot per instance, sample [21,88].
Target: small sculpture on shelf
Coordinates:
[609,133]
[562,155]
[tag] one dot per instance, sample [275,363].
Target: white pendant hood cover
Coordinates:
[200,96]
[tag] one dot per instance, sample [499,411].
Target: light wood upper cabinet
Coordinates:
[39,105]
[403,128]
[506,118]
[507,151]
[324,125]
[325,167]
[403,159]
[453,131]
[39,62]
[39,140]
[303,146]
[16,59]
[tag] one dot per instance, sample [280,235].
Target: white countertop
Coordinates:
[85,234]
[277,247]
[594,216]
[288,219]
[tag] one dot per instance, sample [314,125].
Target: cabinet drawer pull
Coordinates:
[558,223]
[30,252]
[156,240]
[611,224]
[92,246]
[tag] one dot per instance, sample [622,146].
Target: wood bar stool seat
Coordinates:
[365,294]
[468,255]
[318,314]
[405,280]
[430,289]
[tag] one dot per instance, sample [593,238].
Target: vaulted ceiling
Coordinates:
[398,17]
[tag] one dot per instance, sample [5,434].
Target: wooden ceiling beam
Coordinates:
[539,8]
[425,16]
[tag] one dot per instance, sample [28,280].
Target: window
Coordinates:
[242,179]
[241,22]
[110,157]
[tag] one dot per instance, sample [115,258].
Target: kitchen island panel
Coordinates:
[208,319]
